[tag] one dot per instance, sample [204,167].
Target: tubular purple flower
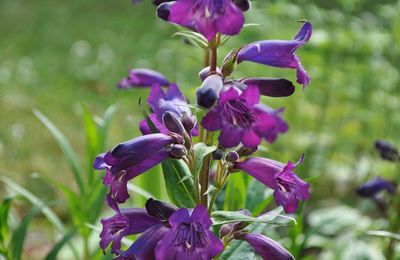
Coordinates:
[189,237]
[126,222]
[130,159]
[271,87]
[208,17]
[375,186]
[160,102]
[241,119]
[267,248]
[279,53]
[142,78]
[288,187]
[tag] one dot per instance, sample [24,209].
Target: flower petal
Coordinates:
[229,136]
[268,248]
[271,87]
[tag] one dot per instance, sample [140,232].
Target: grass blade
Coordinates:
[65,147]
[52,255]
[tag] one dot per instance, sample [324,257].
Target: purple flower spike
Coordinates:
[189,237]
[289,188]
[142,78]
[160,102]
[267,248]
[375,186]
[208,17]
[126,222]
[271,87]
[241,119]
[279,53]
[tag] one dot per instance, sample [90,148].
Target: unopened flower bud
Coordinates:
[387,151]
[178,151]
[246,151]
[243,5]
[217,154]
[188,121]
[158,2]
[375,186]
[173,124]
[163,10]
[203,74]
[208,92]
[232,156]
[229,63]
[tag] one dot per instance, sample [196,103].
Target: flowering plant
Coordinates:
[200,146]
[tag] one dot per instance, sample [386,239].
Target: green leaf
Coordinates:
[180,189]
[258,197]
[382,233]
[200,151]
[19,234]
[194,38]
[92,142]
[65,147]
[137,190]
[52,255]
[4,210]
[271,217]
[235,195]
[50,215]
[104,124]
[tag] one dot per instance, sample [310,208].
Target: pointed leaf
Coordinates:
[52,255]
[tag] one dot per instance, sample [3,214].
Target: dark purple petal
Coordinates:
[279,53]
[269,122]
[159,209]
[262,169]
[212,121]
[375,186]
[181,215]
[145,128]
[229,136]
[127,222]
[267,248]
[143,78]
[251,138]
[271,87]
[144,247]
[200,215]
[164,9]
[244,5]
[173,123]
[251,95]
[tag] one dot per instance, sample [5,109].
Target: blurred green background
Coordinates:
[56,55]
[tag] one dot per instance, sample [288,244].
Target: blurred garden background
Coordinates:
[62,57]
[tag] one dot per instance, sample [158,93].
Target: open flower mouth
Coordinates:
[238,114]
[190,236]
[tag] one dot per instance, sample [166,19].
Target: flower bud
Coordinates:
[163,10]
[217,154]
[188,122]
[159,209]
[232,156]
[375,186]
[178,151]
[246,151]
[208,92]
[243,5]
[229,63]
[173,124]
[203,74]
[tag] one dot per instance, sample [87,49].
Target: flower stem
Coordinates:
[205,172]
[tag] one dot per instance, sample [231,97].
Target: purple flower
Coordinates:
[167,233]
[387,151]
[132,158]
[172,101]
[279,53]
[267,248]
[142,78]
[208,93]
[208,17]
[375,186]
[242,119]
[289,188]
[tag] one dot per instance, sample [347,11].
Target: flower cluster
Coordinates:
[223,130]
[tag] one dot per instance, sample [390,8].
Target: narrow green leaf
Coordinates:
[181,193]
[92,142]
[258,197]
[19,234]
[137,190]
[271,217]
[65,147]
[52,255]
[201,150]
[104,126]
[235,195]
[194,38]
[4,210]
[382,233]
